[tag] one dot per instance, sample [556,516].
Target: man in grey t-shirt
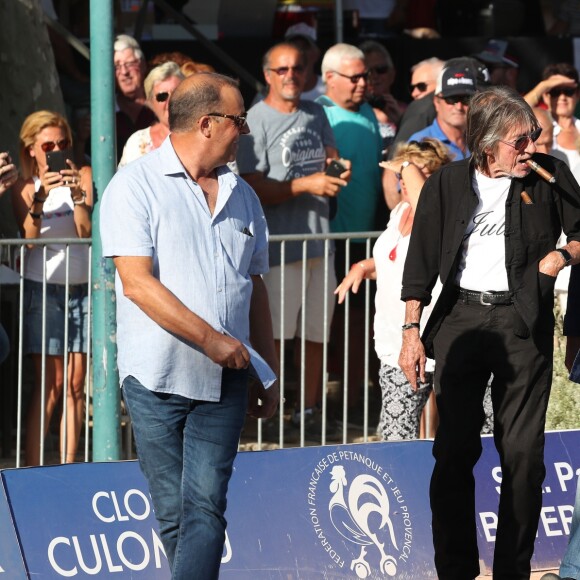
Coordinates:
[284,159]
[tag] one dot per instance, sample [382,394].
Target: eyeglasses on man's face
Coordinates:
[523,141]
[129,65]
[463,99]
[284,70]
[50,145]
[421,87]
[354,79]
[239,120]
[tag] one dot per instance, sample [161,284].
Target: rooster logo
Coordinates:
[353,519]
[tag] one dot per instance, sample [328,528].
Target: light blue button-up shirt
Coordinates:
[434,130]
[153,208]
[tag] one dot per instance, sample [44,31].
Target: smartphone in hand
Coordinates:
[56,160]
[335,168]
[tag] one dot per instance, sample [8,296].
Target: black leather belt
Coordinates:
[485,298]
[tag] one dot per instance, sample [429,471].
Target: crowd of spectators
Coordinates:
[316,108]
[327,148]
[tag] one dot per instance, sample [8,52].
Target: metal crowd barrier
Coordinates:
[17,374]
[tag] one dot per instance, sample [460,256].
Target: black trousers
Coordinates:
[473,342]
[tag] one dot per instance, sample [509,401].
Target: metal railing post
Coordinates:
[106,393]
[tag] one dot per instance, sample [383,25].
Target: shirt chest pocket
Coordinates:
[538,220]
[239,247]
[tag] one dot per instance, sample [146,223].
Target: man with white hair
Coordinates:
[421,112]
[132,113]
[424,77]
[358,139]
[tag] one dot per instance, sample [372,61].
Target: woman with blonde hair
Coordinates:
[401,407]
[50,203]
[159,86]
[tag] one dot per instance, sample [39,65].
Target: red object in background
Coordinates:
[286,16]
[421,14]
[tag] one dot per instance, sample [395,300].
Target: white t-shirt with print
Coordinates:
[482,267]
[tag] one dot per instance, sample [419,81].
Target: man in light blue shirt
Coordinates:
[189,241]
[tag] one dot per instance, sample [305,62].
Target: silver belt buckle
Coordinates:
[481,301]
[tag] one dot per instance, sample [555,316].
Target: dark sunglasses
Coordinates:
[354,79]
[284,70]
[419,86]
[162,97]
[379,70]
[424,146]
[239,120]
[522,142]
[463,99]
[50,145]
[566,91]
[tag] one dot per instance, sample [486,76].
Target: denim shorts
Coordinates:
[78,314]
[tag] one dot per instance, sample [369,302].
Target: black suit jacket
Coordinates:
[445,208]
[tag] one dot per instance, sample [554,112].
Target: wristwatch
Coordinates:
[403,165]
[566,255]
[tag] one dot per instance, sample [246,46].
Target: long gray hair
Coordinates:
[492,113]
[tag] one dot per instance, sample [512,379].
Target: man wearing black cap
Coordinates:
[455,85]
[422,117]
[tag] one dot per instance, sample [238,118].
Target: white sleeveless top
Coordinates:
[390,252]
[57,222]
[572,157]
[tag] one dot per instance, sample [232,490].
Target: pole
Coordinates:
[338,24]
[106,392]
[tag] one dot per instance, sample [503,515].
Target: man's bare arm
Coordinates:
[552,263]
[412,358]
[262,339]
[164,308]
[271,191]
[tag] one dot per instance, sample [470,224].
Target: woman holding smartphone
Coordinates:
[51,203]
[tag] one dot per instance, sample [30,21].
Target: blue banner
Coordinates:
[562,460]
[345,511]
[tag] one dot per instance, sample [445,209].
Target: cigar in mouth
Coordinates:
[541,171]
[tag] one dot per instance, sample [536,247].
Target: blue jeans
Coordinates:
[570,566]
[186,451]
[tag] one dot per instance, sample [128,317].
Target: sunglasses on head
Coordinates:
[50,145]
[162,97]
[424,146]
[524,140]
[463,99]
[284,70]
[379,70]
[422,87]
[354,79]
[566,91]
[239,120]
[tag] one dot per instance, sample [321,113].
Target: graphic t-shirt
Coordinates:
[285,146]
[482,266]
